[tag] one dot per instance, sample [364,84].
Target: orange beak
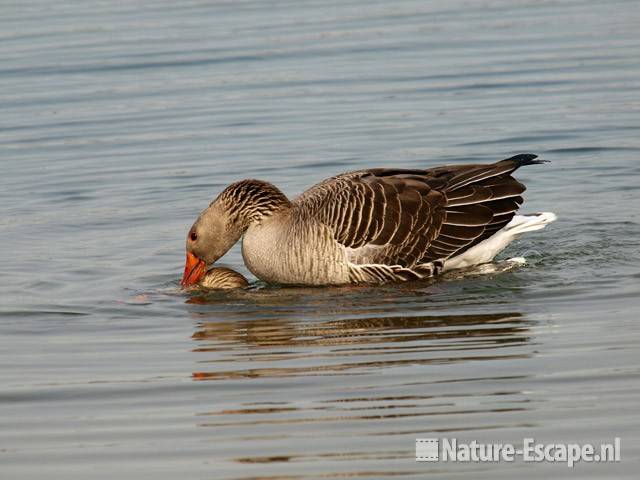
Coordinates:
[193,270]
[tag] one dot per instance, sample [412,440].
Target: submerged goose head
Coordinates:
[221,278]
[223,222]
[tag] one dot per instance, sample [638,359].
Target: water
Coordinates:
[120,122]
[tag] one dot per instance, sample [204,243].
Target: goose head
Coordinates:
[209,238]
[221,278]
[223,222]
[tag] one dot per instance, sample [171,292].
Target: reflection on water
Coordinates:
[391,341]
[321,353]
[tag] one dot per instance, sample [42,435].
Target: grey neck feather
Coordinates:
[249,201]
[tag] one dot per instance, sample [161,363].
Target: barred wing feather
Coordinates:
[408,217]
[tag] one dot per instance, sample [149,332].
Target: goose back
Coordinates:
[408,217]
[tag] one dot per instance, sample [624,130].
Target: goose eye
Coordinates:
[193,236]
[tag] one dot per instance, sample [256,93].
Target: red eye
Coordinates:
[193,236]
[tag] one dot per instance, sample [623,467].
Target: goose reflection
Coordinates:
[345,360]
[282,346]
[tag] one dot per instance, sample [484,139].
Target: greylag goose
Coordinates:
[222,278]
[367,226]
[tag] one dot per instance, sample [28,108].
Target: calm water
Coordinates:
[120,121]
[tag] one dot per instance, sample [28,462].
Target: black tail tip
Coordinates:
[525,159]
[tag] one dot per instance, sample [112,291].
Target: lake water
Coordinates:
[121,121]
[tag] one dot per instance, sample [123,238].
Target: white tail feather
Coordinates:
[529,223]
[486,250]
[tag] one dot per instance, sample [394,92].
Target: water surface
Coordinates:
[120,122]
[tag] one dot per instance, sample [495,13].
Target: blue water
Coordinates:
[121,121]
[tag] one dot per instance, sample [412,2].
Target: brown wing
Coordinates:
[404,217]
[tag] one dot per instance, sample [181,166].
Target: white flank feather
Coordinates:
[486,250]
